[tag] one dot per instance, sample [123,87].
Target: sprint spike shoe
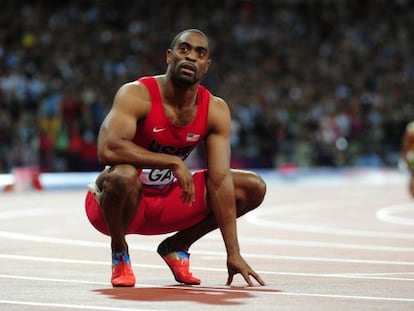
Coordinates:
[122,274]
[179,264]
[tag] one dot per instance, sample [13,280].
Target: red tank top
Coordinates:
[158,134]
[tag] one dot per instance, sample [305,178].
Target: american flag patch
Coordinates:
[192,137]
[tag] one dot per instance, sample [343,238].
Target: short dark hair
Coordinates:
[174,41]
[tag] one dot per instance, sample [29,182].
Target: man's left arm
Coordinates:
[220,189]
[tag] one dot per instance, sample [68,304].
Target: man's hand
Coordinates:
[237,265]
[185,180]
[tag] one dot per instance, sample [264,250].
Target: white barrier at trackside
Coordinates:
[318,176]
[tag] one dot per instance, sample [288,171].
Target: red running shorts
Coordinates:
[157,214]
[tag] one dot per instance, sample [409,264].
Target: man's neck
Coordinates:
[179,94]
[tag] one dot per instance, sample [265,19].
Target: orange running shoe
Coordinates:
[179,264]
[122,274]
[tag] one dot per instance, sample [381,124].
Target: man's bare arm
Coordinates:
[132,103]
[220,189]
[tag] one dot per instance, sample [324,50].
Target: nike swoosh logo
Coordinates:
[156,130]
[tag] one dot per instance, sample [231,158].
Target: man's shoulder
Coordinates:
[149,79]
[218,110]
[132,94]
[217,100]
[133,88]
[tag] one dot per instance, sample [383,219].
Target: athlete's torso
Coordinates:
[158,134]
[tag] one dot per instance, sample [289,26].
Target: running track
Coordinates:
[339,240]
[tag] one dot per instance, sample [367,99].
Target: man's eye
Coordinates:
[184,49]
[201,53]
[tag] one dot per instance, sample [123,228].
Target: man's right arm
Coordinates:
[131,104]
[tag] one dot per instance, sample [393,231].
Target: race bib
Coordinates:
[156,177]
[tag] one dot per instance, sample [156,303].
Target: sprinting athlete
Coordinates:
[147,188]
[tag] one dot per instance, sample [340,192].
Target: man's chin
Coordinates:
[185,81]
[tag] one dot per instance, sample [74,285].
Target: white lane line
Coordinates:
[34,212]
[68,306]
[360,277]
[263,218]
[200,268]
[395,299]
[256,290]
[313,244]
[258,217]
[368,276]
[386,214]
[222,255]
[381,273]
[45,239]
[254,217]
[262,241]
[43,279]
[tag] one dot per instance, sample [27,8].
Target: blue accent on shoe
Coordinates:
[117,257]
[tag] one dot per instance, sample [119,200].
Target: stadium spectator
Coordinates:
[283,66]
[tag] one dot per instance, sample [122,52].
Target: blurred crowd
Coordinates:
[309,83]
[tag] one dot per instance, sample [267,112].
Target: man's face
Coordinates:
[189,59]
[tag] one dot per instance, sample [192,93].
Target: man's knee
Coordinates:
[120,179]
[257,190]
[250,190]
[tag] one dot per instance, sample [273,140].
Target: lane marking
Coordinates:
[287,258]
[313,244]
[348,297]
[34,212]
[362,276]
[69,306]
[31,278]
[263,241]
[386,214]
[44,239]
[263,218]
[255,218]
[256,290]
[381,273]
[41,239]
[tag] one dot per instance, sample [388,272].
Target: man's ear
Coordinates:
[168,56]
[208,66]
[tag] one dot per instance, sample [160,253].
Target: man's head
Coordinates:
[188,57]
